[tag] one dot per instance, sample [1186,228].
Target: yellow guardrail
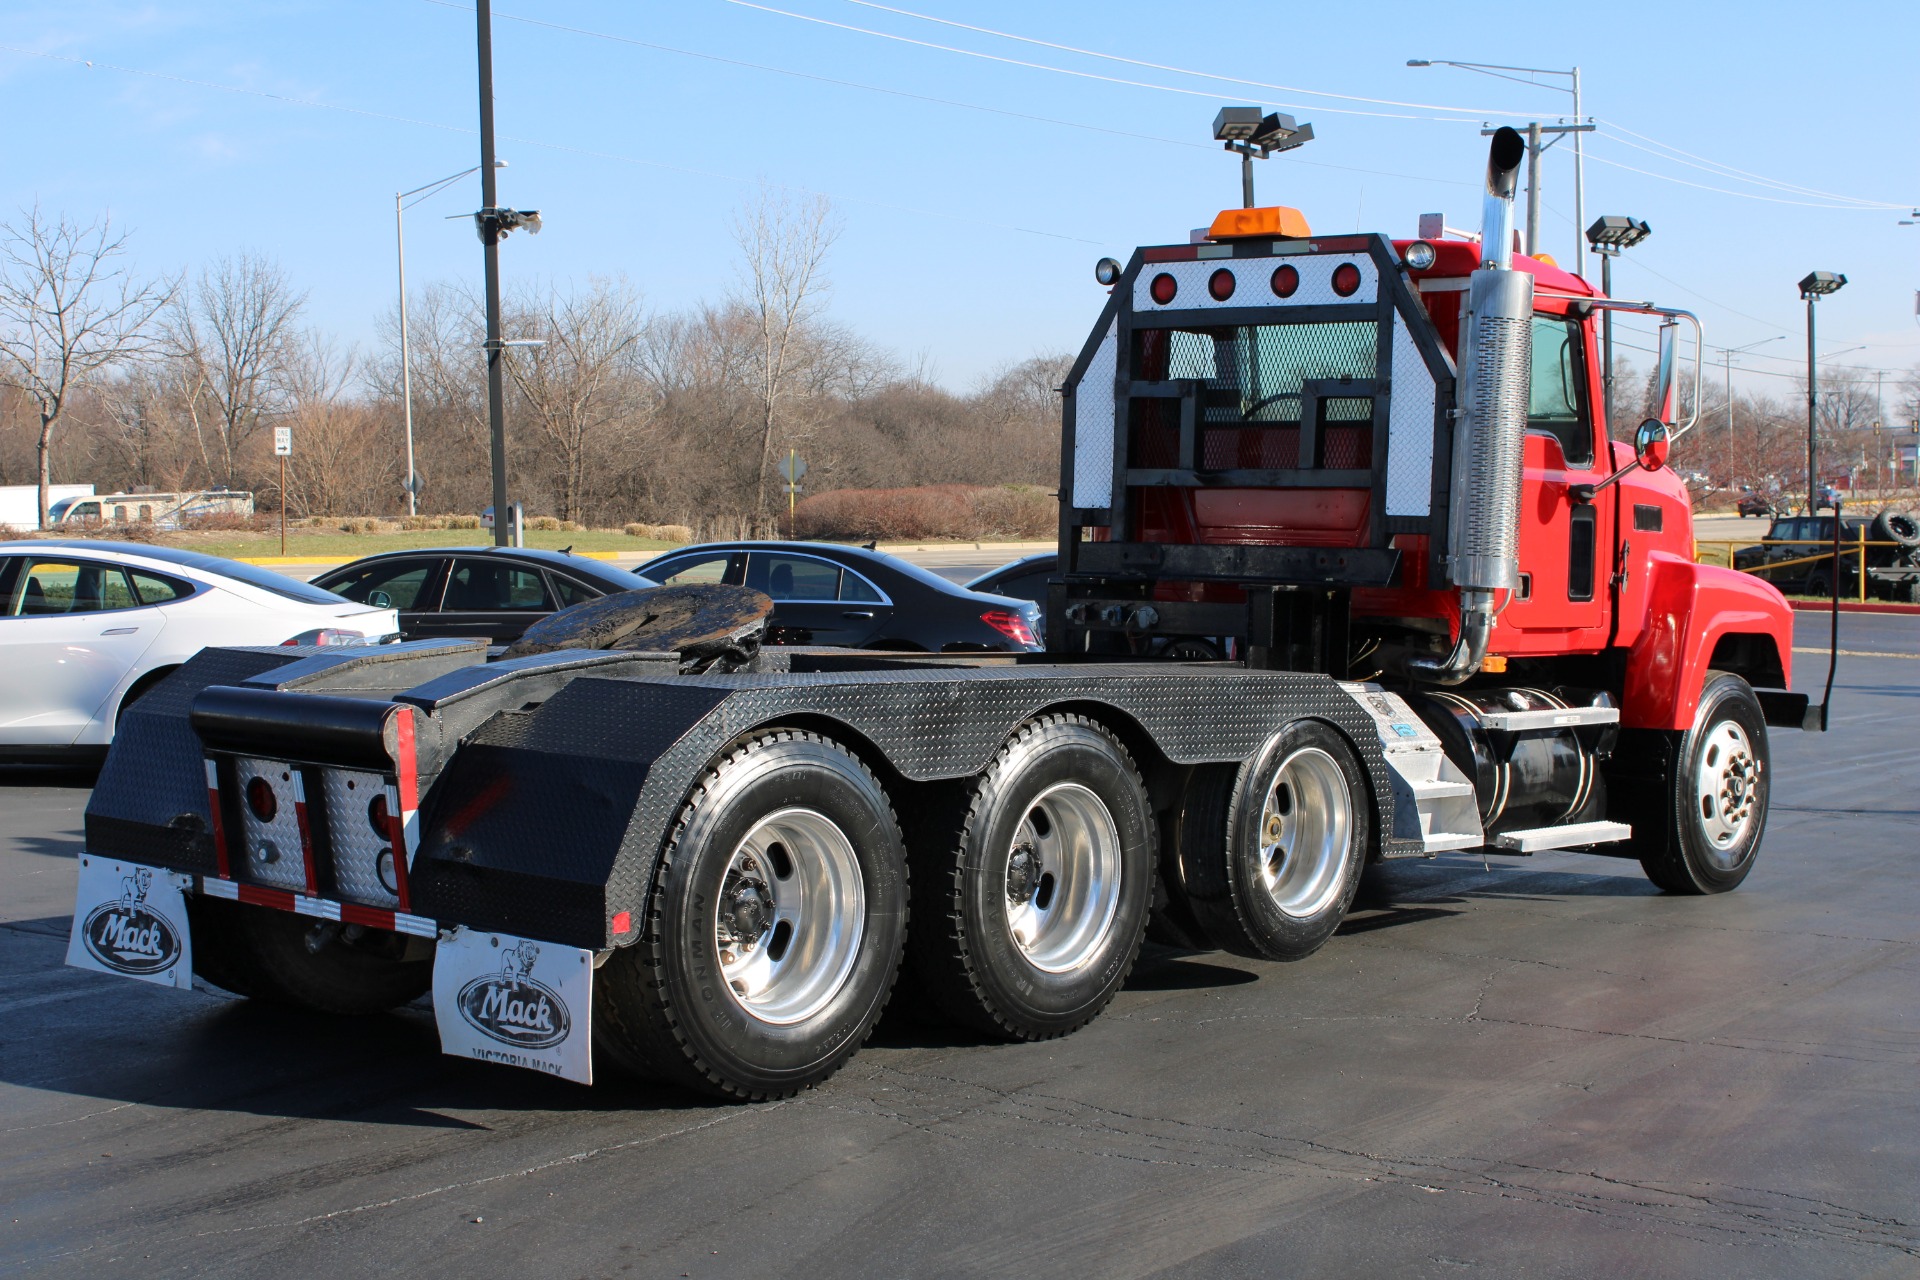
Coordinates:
[1720,551]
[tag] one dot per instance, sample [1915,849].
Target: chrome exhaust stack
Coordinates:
[1496,369]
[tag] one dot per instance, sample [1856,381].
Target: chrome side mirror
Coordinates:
[1650,444]
[1663,380]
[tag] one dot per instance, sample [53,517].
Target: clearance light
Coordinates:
[261,800]
[1163,288]
[1276,222]
[1346,279]
[1286,279]
[1220,284]
[1420,255]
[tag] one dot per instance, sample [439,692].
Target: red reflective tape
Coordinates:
[306,833]
[1171,253]
[261,896]
[623,922]
[402,815]
[219,827]
[371,917]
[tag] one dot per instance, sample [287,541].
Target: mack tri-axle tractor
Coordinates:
[1352,568]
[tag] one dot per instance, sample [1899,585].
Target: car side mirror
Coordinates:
[1650,444]
[379,599]
[1665,375]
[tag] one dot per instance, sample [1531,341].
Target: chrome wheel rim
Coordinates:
[1062,878]
[1726,788]
[790,916]
[1306,825]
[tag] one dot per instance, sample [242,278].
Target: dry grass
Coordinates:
[944,511]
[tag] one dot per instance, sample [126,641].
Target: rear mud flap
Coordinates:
[504,999]
[131,921]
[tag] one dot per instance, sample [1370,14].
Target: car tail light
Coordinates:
[1346,279]
[261,800]
[1220,285]
[1012,626]
[326,636]
[1163,288]
[1285,280]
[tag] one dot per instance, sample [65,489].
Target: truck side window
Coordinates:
[1559,404]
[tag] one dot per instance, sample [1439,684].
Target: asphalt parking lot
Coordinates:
[1535,1067]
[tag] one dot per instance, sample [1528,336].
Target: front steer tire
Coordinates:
[1703,834]
[773,930]
[1035,884]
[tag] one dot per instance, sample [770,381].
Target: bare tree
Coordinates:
[68,310]
[784,243]
[234,330]
[580,386]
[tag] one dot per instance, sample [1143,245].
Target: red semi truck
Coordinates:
[1351,569]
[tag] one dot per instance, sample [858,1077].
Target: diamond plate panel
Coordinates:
[360,855]
[1409,428]
[271,849]
[1093,426]
[1253,282]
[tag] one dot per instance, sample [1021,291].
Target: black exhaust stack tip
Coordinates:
[1504,155]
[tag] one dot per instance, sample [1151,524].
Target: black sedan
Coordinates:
[486,593]
[827,594]
[1023,579]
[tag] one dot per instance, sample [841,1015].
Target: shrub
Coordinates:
[462,522]
[972,512]
[660,532]
[547,523]
[414,524]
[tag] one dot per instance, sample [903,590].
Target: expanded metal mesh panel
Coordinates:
[1344,448]
[1153,432]
[362,858]
[1249,448]
[1253,282]
[1255,373]
[1093,426]
[1409,428]
[271,849]
[1484,529]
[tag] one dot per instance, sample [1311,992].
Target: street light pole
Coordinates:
[1730,353]
[406,364]
[490,241]
[1816,285]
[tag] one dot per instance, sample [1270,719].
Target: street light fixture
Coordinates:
[1816,285]
[1580,125]
[400,204]
[1257,136]
[1608,235]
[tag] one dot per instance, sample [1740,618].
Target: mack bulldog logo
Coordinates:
[127,934]
[513,1008]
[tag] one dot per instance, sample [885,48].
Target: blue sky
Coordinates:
[970,234]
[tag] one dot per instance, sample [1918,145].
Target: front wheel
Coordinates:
[1717,809]
[773,931]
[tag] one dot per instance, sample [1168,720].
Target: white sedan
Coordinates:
[88,627]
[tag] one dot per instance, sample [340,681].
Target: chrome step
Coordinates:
[1550,719]
[1572,836]
[1448,841]
[1440,788]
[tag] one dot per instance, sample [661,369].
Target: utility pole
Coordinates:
[406,368]
[1534,148]
[490,240]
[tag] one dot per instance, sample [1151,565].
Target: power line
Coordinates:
[919,97]
[536,142]
[1744,195]
[1088,75]
[1185,71]
[1714,166]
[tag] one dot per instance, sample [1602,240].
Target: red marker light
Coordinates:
[261,800]
[1163,288]
[1220,284]
[1285,280]
[1346,279]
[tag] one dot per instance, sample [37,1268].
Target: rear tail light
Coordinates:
[1012,626]
[326,636]
[1163,288]
[261,800]
[1346,279]
[1286,279]
[1220,285]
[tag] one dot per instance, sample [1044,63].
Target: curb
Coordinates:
[1853,606]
